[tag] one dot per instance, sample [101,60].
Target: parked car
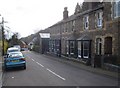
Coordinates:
[12,49]
[15,59]
[24,49]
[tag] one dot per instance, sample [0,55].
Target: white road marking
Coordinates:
[33,60]
[50,71]
[39,64]
[55,74]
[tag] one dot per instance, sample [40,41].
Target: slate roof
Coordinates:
[74,16]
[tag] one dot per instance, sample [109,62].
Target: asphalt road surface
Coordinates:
[44,71]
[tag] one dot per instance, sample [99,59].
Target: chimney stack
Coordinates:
[65,13]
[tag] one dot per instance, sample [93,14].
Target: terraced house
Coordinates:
[91,34]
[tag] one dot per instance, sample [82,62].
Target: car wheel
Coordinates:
[24,67]
[5,68]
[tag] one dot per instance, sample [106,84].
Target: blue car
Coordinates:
[15,59]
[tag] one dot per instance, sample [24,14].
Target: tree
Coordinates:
[14,40]
[5,45]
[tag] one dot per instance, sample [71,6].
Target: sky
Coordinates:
[29,16]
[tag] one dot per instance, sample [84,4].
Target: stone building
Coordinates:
[91,34]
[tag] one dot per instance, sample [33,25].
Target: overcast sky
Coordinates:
[28,16]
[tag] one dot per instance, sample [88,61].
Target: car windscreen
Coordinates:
[13,55]
[13,50]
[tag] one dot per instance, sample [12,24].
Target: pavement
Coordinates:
[77,63]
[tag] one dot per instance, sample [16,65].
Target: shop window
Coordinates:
[98,46]
[108,45]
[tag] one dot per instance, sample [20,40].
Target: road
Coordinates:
[44,71]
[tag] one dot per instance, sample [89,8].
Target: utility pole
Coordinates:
[3,36]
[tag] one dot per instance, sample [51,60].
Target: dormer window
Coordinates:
[86,22]
[99,19]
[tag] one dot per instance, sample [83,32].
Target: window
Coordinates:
[72,46]
[116,8]
[62,28]
[73,25]
[79,49]
[66,27]
[99,19]
[86,22]
[85,49]
[67,47]
[52,45]
[57,43]
[98,46]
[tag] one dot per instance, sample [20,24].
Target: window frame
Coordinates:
[72,47]
[79,49]
[86,22]
[98,44]
[86,49]
[73,25]
[116,12]
[67,47]
[99,17]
